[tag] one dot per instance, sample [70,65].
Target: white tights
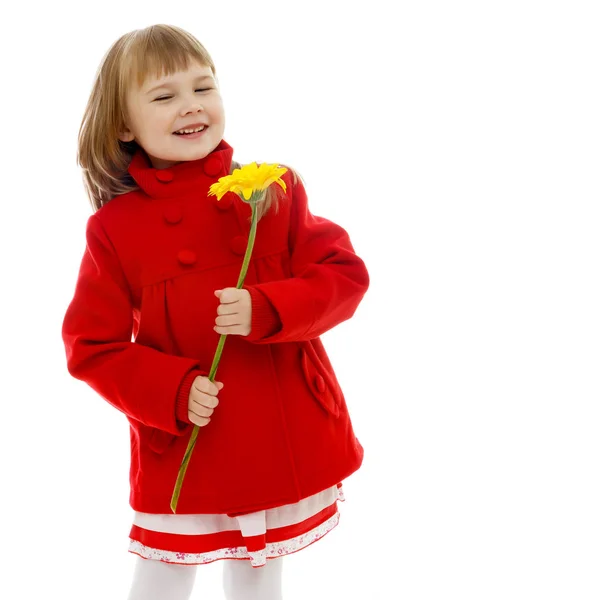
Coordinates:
[157,580]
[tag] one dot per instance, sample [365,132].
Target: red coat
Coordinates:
[139,329]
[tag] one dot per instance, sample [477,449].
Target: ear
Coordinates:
[126,136]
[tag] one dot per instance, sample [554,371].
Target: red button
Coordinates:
[225,202]
[164,175]
[239,244]
[173,214]
[212,166]
[186,257]
[320,383]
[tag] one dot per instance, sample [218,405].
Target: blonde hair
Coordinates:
[103,157]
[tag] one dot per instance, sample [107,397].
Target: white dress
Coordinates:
[203,538]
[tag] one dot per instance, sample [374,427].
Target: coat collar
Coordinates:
[183,177]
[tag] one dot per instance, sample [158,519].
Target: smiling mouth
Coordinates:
[194,132]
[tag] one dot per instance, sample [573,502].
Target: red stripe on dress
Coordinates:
[282,534]
[176,542]
[196,544]
[288,532]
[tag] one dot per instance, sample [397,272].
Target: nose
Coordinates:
[192,105]
[194,108]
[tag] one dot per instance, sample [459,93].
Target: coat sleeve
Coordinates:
[328,281]
[147,385]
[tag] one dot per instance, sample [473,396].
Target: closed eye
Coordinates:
[198,90]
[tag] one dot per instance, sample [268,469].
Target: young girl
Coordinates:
[153,295]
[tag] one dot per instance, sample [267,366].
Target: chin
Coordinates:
[194,152]
[200,152]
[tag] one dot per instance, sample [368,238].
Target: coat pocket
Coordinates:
[160,440]
[319,380]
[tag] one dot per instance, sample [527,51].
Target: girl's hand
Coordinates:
[203,400]
[235,312]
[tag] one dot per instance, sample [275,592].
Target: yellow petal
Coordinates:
[251,177]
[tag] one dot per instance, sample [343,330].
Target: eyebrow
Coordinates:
[167,84]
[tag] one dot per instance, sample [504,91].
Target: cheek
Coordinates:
[158,120]
[139,119]
[217,110]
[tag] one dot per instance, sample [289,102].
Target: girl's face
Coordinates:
[179,101]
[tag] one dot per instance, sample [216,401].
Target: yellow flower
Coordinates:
[248,179]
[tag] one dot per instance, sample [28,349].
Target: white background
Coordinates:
[458,143]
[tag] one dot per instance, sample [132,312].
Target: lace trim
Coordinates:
[257,559]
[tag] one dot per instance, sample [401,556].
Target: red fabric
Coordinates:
[139,329]
[183,395]
[265,320]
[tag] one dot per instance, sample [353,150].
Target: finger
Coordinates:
[200,421]
[206,386]
[227,309]
[229,295]
[201,411]
[228,320]
[232,330]
[206,400]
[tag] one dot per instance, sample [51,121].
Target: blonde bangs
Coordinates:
[159,51]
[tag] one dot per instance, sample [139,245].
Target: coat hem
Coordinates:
[201,505]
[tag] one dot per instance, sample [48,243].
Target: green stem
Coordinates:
[217,357]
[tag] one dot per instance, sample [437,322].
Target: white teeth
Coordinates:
[191,130]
